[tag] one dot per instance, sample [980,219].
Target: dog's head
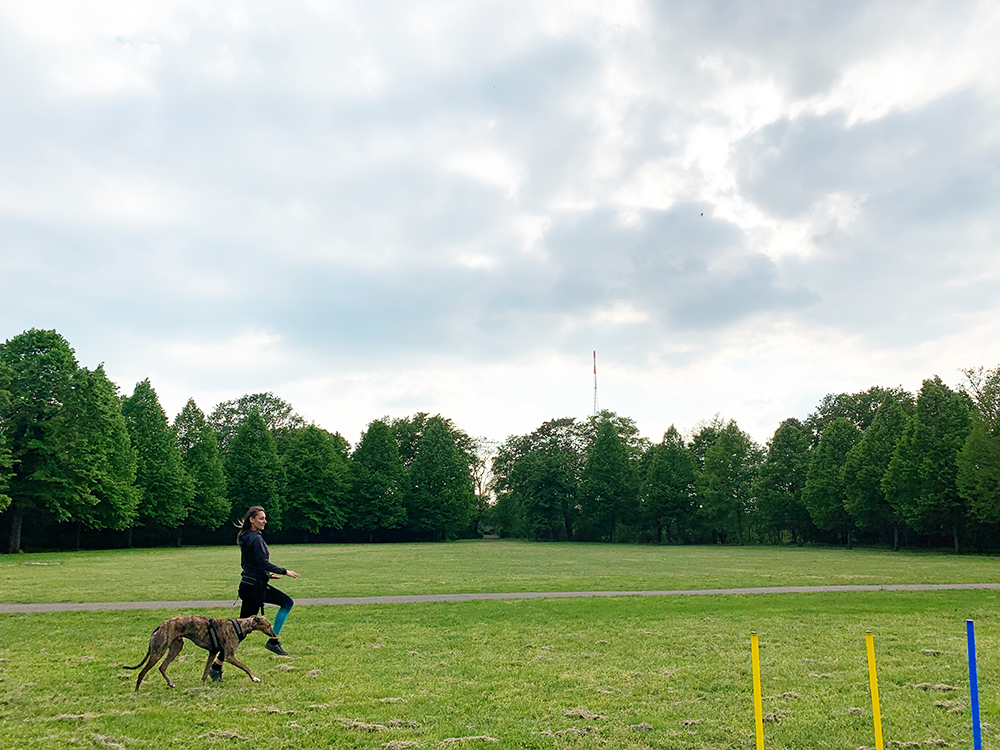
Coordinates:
[258,622]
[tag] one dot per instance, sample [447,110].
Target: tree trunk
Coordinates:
[129,537]
[79,533]
[371,536]
[954,532]
[895,537]
[180,538]
[15,528]
[848,539]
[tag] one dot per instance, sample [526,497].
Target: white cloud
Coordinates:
[386,207]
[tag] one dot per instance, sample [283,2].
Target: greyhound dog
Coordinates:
[216,636]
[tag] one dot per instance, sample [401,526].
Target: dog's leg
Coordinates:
[156,648]
[175,648]
[237,663]
[208,665]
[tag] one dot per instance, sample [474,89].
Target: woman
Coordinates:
[255,588]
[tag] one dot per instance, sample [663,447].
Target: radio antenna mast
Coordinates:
[595,383]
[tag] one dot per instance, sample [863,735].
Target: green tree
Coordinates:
[6,460]
[725,483]
[544,486]
[317,479]
[824,493]
[779,483]
[668,485]
[565,435]
[209,506]
[979,473]
[979,460]
[277,414]
[609,484]
[439,494]
[866,464]
[376,496]
[625,427]
[705,435]
[921,481]
[50,474]
[857,408]
[109,454]
[253,470]
[160,475]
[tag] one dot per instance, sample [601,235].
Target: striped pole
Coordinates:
[873,682]
[977,736]
[757,708]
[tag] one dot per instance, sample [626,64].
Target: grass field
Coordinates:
[641,672]
[511,670]
[475,566]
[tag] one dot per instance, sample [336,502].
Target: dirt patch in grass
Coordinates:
[475,738]
[582,713]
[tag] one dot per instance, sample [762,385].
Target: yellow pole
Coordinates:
[758,710]
[873,681]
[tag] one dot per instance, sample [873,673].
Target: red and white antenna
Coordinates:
[595,383]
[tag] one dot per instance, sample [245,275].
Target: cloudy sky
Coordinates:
[376,208]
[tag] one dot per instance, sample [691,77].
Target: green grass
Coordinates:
[511,669]
[475,566]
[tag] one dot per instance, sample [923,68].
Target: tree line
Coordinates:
[75,452]
[879,465]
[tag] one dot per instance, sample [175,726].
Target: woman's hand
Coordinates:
[291,574]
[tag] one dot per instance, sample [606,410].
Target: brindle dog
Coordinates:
[217,636]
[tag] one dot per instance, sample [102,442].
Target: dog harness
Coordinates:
[239,631]
[213,638]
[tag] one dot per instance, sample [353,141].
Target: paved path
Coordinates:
[421,598]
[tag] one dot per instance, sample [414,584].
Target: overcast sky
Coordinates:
[376,208]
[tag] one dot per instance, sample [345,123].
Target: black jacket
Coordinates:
[254,558]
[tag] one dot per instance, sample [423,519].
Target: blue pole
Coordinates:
[977,736]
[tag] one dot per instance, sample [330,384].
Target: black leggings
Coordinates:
[253,599]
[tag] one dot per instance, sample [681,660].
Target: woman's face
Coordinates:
[258,522]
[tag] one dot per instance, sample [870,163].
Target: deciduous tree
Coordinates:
[668,496]
[921,482]
[277,414]
[544,486]
[609,484]
[49,461]
[209,506]
[779,483]
[317,479]
[725,483]
[376,501]
[253,471]
[160,475]
[866,464]
[979,460]
[439,496]
[111,459]
[824,493]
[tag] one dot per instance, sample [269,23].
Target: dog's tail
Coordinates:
[144,659]
[152,642]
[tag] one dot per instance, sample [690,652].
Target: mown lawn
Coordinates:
[473,566]
[651,672]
